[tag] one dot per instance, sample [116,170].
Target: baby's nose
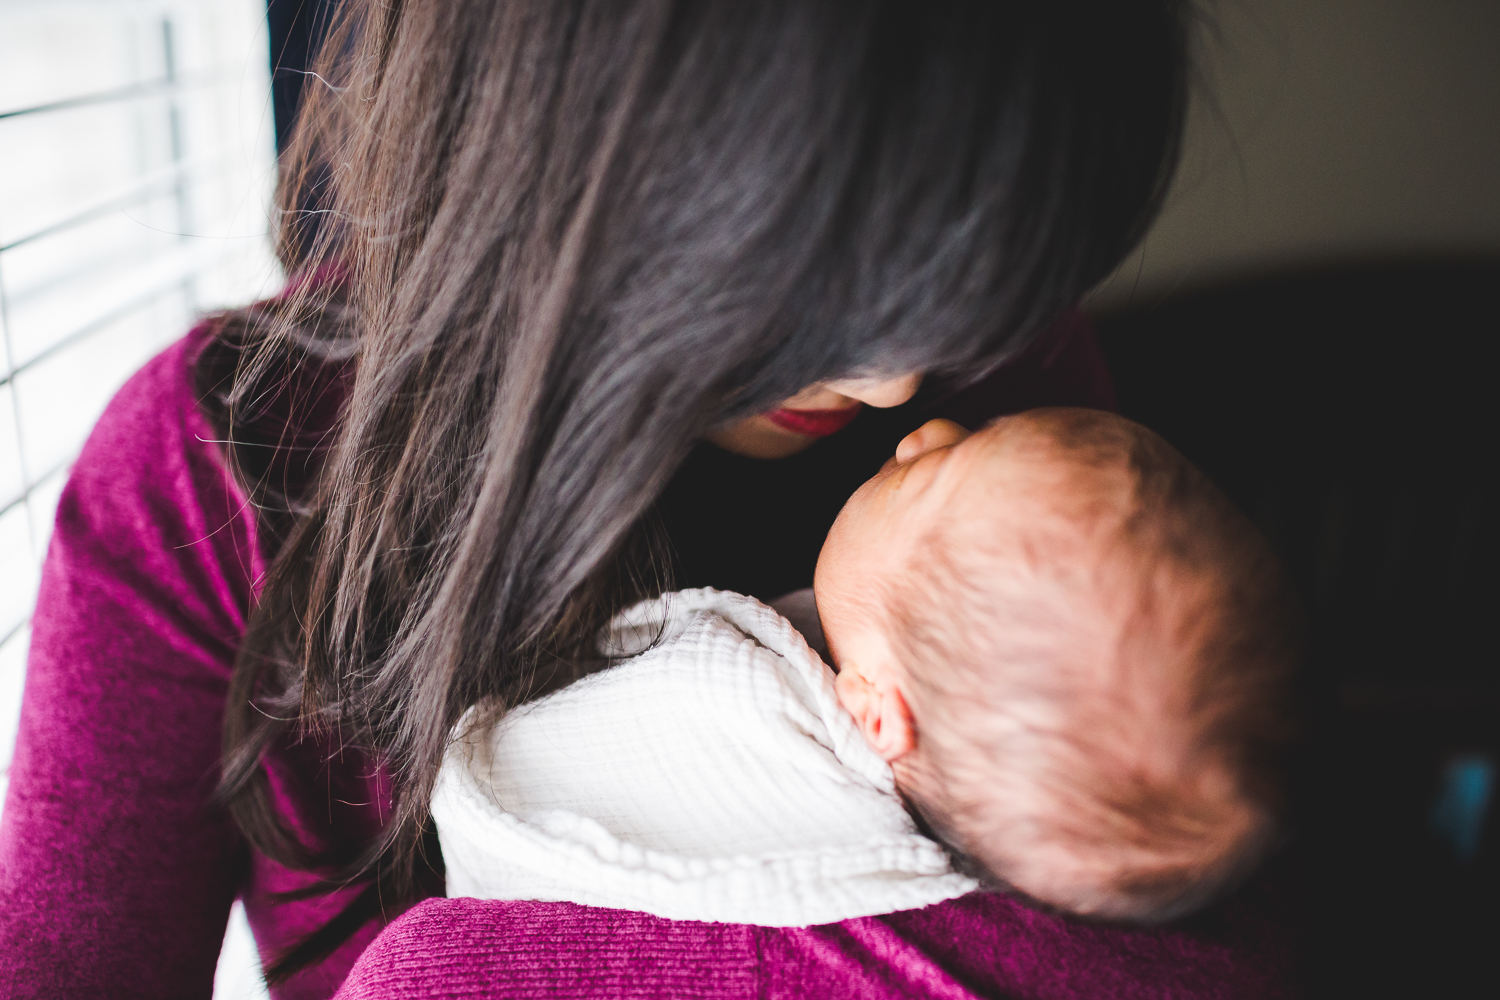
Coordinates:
[929,437]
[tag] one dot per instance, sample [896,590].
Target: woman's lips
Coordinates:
[814,423]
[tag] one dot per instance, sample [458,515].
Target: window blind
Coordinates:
[136,168]
[137,164]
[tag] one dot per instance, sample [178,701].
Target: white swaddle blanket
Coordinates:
[713,776]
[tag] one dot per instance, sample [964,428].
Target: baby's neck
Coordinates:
[925,804]
[801,609]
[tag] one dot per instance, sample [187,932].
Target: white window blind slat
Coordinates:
[12,673]
[41,501]
[78,156]
[136,170]
[154,184]
[12,480]
[135,183]
[18,582]
[59,50]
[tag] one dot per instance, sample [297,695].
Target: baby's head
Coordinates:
[1072,649]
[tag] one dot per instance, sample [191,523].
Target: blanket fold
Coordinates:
[712,775]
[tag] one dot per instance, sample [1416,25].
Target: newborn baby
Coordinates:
[1059,649]
[1073,651]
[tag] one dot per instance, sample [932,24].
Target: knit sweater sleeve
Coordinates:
[486,948]
[116,875]
[980,945]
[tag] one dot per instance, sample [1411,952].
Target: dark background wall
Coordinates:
[1324,131]
[296,26]
[1350,411]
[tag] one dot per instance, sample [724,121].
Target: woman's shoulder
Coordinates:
[142,601]
[151,496]
[152,430]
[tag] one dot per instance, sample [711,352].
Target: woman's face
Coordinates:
[815,412]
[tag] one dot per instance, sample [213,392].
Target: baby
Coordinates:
[1060,652]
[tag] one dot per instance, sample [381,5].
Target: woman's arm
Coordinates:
[484,948]
[980,945]
[116,876]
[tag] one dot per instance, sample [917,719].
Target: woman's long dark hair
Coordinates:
[543,245]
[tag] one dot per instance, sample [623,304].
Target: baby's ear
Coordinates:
[880,711]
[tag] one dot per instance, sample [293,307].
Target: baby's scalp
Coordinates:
[1091,643]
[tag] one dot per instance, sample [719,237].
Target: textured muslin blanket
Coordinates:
[712,775]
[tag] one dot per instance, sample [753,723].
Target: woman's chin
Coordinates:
[758,437]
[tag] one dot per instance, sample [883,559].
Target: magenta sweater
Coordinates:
[116,876]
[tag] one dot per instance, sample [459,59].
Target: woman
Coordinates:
[558,246]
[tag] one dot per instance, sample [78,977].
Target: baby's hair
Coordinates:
[1051,732]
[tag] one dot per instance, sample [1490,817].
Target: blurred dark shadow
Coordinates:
[296,28]
[1351,413]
